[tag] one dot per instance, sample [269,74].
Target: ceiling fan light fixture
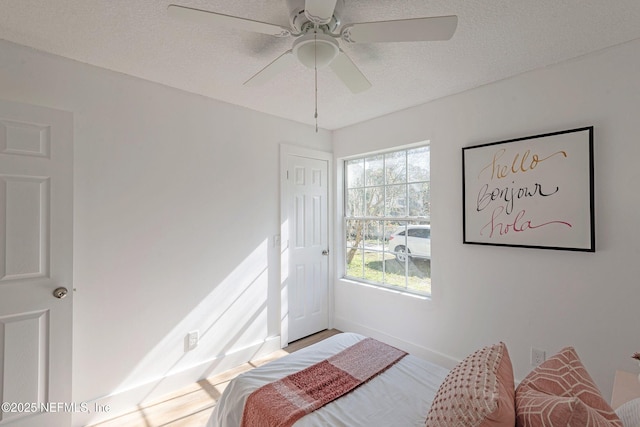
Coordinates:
[316,50]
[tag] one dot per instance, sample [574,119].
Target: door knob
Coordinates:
[325,252]
[60,292]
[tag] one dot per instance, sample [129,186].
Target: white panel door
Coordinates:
[308,246]
[36,211]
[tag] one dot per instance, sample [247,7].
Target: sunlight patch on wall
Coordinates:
[232,316]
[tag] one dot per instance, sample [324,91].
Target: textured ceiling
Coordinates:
[495,39]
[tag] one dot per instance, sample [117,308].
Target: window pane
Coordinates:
[355,173]
[374,201]
[374,235]
[373,266]
[395,165]
[397,242]
[389,228]
[419,274]
[396,200]
[355,202]
[354,263]
[354,231]
[374,170]
[395,272]
[420,199]
[418,160]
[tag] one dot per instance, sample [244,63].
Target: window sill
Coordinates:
[385,289]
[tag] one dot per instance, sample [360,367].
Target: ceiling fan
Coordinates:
[316,28]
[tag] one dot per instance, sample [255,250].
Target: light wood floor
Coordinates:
[192,406]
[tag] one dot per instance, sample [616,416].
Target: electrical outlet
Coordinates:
[537,356]
[191,341]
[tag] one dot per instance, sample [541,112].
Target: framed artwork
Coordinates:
[535,192]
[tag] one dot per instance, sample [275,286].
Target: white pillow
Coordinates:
[629,413]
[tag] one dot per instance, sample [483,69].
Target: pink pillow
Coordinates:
[560,392]
[478,392]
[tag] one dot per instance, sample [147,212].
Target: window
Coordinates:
[387,220]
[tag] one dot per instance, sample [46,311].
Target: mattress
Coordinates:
[400,396]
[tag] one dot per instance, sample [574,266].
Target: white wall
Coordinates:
[176,206]
[524,297]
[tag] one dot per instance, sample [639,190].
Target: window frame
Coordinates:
[383,250]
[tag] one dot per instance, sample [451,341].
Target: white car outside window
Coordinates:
[412,240]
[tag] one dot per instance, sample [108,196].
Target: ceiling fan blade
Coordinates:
[319,11]
[270,71]
[402,30]
[206,17]
[349,73]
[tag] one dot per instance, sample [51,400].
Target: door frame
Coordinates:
[287,151]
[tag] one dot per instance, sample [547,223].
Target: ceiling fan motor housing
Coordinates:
[315,49]
[301,23]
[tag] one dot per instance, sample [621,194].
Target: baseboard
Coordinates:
[417,350]
[124,401]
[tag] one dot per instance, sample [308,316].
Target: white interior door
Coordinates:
[308,246]
[36,211]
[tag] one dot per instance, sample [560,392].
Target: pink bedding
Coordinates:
[283,402]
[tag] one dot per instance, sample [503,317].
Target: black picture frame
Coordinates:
[532,192]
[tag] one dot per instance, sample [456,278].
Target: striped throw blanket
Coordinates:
[283,402]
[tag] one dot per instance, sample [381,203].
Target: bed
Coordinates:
[408,391]
[399,396]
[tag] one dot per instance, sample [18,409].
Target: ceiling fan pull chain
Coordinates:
[315,70]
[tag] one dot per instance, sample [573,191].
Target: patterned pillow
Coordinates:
[478,392]
[560,392]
